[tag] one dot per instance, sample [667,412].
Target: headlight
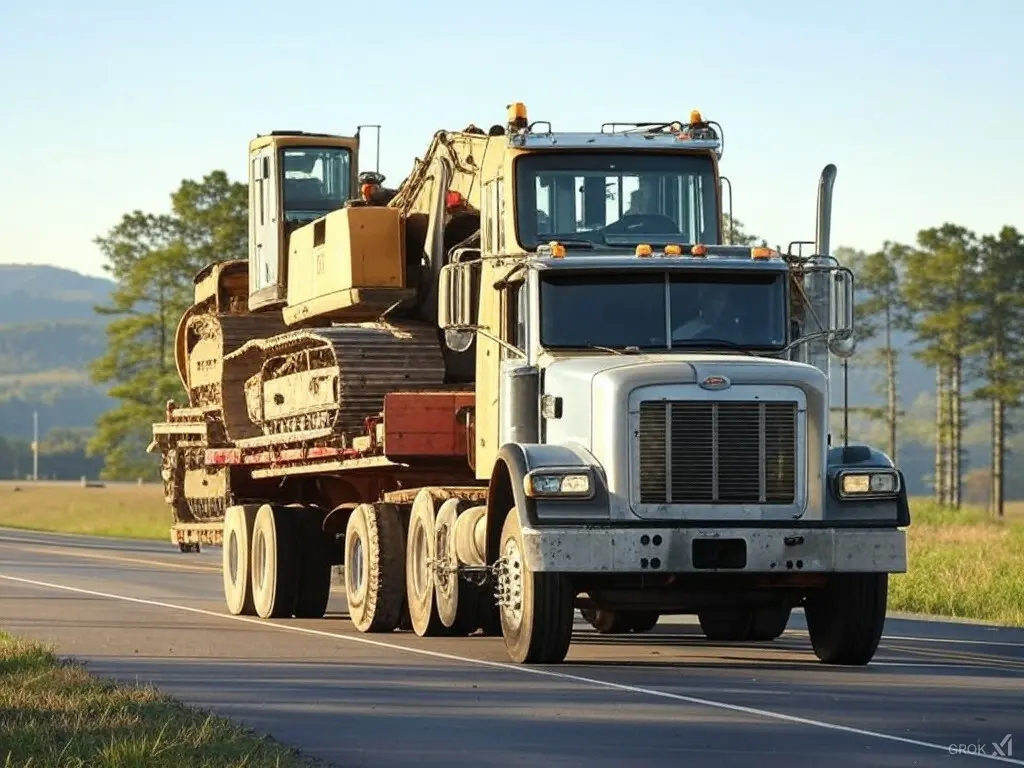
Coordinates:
[545,482]
[876,483]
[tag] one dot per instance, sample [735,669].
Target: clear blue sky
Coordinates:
[107,105]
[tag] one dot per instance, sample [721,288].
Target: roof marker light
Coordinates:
[643,250]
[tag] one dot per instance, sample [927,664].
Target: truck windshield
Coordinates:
[724,310]
[316,181]
[619,198]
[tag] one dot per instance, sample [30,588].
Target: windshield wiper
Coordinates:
[711,343]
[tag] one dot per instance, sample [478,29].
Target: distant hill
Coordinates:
[31,293]
[49,334]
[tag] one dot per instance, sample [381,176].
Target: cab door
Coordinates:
[265,284]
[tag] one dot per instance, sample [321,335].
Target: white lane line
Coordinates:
[802,634]
[522,669]
[956,641]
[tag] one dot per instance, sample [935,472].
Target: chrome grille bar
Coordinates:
[699,452]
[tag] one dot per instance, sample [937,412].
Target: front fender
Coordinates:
[506,489]
[888,511]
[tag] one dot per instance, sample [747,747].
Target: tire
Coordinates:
[457,602]
[741,624]
[374,572]
[846,619]
[620,622]
[606,622]
[236,568]
[726,625]
[536,608]
[489,617]
[275,563]
[420,581]
[314,564]
[643,621]
[768,623]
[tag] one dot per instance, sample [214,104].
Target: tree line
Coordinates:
[960,298]
[153,259]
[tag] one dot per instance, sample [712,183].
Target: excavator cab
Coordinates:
[294,178]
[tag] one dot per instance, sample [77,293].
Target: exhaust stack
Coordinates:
[823,232]
[816,283]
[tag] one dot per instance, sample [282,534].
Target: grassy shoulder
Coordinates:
[962,564]
[123,511]
[56,714]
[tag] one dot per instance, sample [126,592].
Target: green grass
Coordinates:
[963,564]
[124,511]
[55,714]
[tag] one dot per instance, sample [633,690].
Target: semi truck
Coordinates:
[535,377]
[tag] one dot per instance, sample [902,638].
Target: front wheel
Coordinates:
[536,609]
[845,619]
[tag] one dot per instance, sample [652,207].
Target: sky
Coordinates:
[106,106]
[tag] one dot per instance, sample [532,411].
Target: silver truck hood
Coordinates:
[600,403]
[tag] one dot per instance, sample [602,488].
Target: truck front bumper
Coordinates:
[710,550]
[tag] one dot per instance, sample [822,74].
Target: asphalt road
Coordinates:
[144,611]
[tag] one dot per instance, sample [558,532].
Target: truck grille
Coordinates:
[717,453]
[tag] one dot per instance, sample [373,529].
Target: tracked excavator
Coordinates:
[532,378]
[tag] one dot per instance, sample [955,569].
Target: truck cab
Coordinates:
[660,420]
[295,177]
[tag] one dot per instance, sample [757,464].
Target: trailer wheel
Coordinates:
[643,621]
[744,624]
[420,579]
[314,564]
[235,559]
[769,623]
[374,576]
[620,622]
[728,625]
[537,609]
[488,614]
[457,600]
[845,619]
[275,565]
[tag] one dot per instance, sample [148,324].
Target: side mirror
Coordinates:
[841,316]
[454,306]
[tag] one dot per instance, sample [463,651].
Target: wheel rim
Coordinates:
[419,562]
[259,560]
[511,585]
[233,557]
[358,572]
[443,558]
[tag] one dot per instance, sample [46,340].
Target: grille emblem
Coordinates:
[715,383]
